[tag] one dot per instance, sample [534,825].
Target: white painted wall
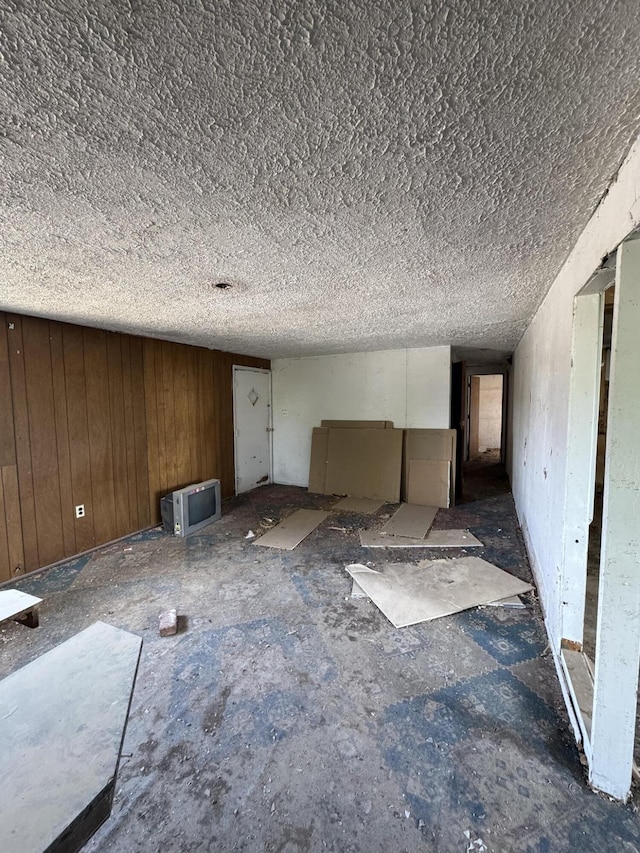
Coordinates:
[410,387]
[541,379]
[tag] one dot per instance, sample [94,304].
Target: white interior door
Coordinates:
[252,421]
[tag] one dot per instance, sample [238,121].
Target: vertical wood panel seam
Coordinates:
[55,426]
[28,437]
[86,410]
[124,408]
[15,450]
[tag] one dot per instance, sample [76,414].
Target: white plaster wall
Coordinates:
[409,387]
[541,374]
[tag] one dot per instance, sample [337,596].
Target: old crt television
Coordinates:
[189,509]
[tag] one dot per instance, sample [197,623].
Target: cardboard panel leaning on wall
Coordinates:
[365,463]
[411,388]
[429,482]
[432,445]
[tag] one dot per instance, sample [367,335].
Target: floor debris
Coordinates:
[408,594]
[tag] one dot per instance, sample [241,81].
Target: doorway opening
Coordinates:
[485,418]
[600,593]
[483,430]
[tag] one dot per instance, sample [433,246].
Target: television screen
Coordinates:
[201,505]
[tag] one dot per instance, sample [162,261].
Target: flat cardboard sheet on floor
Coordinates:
[365,463]
[435,539]
[293,529]
[357,591]
[410,520]
[365,506]
[63,719]
[513,602]
[408,594]
[452,539]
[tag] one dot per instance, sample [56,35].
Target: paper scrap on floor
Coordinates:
[408,594]
[366,506]
[293,529]
[435,539]
[410,520]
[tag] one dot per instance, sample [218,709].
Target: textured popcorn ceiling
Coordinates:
[369,174]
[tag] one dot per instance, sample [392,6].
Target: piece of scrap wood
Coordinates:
[580,684]
[293,529]
[410,520]
[366,506]
[408,594]
[168,622]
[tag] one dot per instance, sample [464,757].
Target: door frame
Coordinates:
[489,369]
[609,696]
[237,368]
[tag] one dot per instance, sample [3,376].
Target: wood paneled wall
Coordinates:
[107,420]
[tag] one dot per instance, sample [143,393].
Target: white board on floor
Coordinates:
[293,529]
[14,602]
[408,594]
[63,718]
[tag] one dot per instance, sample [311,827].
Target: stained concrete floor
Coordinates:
[286,716]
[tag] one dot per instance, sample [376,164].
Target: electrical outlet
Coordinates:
[80,511]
